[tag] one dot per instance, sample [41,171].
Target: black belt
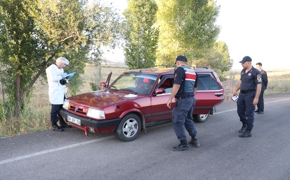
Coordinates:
[246,91]
[184,97]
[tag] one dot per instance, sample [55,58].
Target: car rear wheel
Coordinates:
[129,128]
[201,118]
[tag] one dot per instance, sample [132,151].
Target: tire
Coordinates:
[129,128]
[201,118]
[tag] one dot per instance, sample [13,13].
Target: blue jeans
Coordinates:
[182,118]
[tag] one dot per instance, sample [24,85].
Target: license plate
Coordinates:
[74,120]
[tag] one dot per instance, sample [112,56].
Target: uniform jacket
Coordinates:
[56,91]
[264,79]
[250,79]
[187,78]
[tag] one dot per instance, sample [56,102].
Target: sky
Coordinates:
[256,28]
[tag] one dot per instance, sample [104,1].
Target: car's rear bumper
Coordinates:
[109,125]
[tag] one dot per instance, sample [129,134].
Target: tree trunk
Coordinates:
[18,96]
[2,85]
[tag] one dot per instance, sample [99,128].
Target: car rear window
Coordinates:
[206,82]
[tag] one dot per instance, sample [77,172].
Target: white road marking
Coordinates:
[88,142]
[51,150]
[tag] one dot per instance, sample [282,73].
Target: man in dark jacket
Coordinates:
[250,88]
[260,105]
[183,90]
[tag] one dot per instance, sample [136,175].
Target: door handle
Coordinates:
[219,94]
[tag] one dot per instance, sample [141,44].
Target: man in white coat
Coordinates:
[56,92]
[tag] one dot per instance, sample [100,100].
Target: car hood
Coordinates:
[101,99]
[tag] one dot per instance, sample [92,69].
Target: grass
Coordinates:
[36,116]
[278,82]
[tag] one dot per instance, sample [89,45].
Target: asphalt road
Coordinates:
[222,155]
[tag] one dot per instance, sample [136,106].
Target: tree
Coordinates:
[34,32]
[186,27]
[141,35]
[226,62]
[216,58]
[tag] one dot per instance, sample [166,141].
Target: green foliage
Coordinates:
[216,58]
[33,33]
[93,86]
[186,27]
[141,35]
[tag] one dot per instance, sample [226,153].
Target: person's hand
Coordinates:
[64,75]
[169,103]
[255,102]
[234,93]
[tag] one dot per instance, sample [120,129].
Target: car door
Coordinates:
[209,93]
[159,109]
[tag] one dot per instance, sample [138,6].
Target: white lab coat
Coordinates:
[56,91]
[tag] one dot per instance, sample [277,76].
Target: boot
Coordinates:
[55,127]
[247,133]
[243,129]
[183,146]
[194,141]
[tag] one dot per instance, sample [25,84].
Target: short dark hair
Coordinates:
[260,64]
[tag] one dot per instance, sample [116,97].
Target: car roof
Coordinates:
[164,71]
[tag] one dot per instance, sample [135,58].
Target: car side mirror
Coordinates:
[160,91]
[103,84]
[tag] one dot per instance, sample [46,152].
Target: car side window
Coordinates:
[166,83]
[206,82]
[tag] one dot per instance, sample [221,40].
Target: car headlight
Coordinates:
[65,104]
[96,113]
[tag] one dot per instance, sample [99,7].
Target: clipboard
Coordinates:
[70,75]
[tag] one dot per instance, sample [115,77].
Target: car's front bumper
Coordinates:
[101,126]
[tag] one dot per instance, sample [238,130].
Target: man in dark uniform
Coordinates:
[260,105]
[250,88]
[184,89]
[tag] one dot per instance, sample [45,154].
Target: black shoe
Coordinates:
[65,125]
[243,129]
[260,112]
[257,111]
[247,133]
[181,147]
[57,128]
[194,141]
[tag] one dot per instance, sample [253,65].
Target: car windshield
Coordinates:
[136,83]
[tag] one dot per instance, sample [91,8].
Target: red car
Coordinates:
[137,99]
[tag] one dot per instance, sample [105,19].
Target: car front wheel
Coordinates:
[201,118]
[129,128]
